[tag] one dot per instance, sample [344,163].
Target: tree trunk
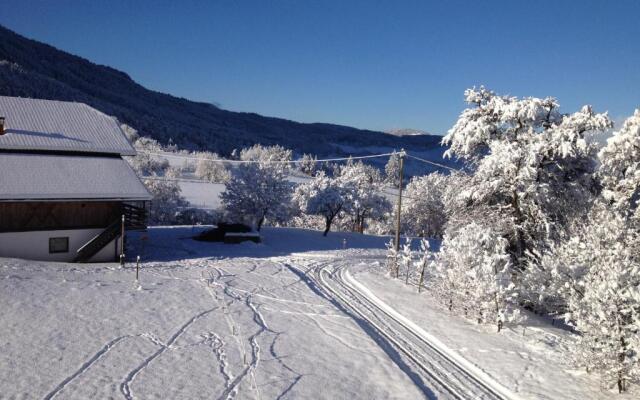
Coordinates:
[328,222]
[620,382]
[519,235]
[621,356]
[260,222]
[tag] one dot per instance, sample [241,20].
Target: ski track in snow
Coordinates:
[455,360]
[246,297]
[231,384]
[84,367]
[455,377]
[328,279]
[125,386]
[217,345]
[254,362]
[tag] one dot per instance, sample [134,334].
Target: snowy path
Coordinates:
[437,371]
[250,322]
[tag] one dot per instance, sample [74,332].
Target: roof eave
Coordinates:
[74,199]
[111,152]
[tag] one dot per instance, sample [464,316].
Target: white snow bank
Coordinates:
[530,360]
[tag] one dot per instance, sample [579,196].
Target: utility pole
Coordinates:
[399,211]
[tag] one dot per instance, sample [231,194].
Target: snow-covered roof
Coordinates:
[34,124]
[27,177]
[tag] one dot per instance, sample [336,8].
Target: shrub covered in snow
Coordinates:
[596,274]
[474,275]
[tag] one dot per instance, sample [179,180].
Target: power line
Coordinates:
[165,179]
[404,196]
[431,162]
[222,160]
[264,162]
[162,178]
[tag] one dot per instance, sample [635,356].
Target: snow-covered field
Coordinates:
[294,317]
[206,195]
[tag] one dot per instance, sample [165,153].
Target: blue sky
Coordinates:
[370,64]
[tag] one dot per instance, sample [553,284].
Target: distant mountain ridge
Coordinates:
[29,68]
[406,132]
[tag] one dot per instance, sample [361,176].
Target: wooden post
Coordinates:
[421,277]
[399,211]
[137,268]
[122,241]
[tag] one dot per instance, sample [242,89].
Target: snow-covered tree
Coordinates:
[308,164]
[255,192]
[301,220]
[167,201]
[363,186]
[145,143]
[533,167]
[424,205]
[597,273]
[392,170]
[146,165]
[406,255]
[130,133]
[474,275]
[620,167]
[172,173]
[210,170]
[324,196]
[167,198]
[393,262]
[276,155]
[143,163]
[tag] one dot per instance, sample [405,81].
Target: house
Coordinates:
[64,186]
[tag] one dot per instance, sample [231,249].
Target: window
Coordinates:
[59,245]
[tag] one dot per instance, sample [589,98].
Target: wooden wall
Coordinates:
[29,216]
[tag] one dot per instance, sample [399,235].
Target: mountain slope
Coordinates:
[32,69]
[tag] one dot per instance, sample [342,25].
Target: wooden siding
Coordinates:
[31,216]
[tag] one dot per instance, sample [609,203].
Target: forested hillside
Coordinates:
[32,69]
